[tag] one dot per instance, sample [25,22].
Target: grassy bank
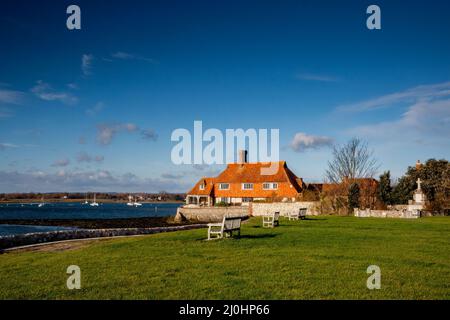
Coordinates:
[319,258]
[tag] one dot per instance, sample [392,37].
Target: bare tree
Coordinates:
[352,160]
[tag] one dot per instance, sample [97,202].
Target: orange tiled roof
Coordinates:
[289,185]
[251,172]
[209,187]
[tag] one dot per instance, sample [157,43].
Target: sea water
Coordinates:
[74,210]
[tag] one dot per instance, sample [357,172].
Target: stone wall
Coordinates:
[259,209]
[406,214]
[52,236]
[210,214]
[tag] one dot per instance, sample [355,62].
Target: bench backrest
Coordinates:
[276,216]
[302,211]
[230,223]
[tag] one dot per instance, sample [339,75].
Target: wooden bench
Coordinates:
[224,228]
[300,214]
[271,220]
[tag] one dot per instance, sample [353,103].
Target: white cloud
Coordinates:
[72,86]
[61,163]
[106,132]
[131,56]
[5,145]
[418,93]
[423,120]
[11,96]
[302,142]
[81,181]
[85,157]
[95,109]
[426,117]
[86,64]
[315,77]
[45,92]
[171,176]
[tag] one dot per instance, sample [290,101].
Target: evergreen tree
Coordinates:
[435,175]
[353,197]
[384,188]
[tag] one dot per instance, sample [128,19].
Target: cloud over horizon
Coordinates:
[85,157]
[84,181]
[61,163]
[302,142]
[411,95]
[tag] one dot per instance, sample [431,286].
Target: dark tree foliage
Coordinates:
[384,188]
[353,197]
[435,175]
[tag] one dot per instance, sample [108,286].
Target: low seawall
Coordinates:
[52,236]
[210,214]
[405,214]
[259,209]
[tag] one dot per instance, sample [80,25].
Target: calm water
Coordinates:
[77,211]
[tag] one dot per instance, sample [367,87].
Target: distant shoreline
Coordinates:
[81,201]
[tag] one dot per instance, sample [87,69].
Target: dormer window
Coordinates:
[270,186]
[247,186]
[224,186]
[202,186]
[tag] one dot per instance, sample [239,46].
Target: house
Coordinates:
[243,182]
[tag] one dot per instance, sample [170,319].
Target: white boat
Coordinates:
[94,203]
[130,203]
[42,203]
[86,201]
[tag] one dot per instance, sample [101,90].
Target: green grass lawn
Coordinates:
[319,258]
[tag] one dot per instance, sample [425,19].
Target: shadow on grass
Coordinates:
[243,236]
[257,236]
[315,219]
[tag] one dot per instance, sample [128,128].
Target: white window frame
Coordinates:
[202,186]
[249,184]
[271,185]
[222,188]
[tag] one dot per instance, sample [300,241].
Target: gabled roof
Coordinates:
[252,172]
[209,187]
[236,173]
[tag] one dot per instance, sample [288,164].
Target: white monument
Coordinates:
[419,198]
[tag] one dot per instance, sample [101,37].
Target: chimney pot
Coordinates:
[242,156]
[418,164]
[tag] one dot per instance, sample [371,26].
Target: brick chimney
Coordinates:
[418,165]
[242,156]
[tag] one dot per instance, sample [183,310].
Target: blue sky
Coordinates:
[93,109]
